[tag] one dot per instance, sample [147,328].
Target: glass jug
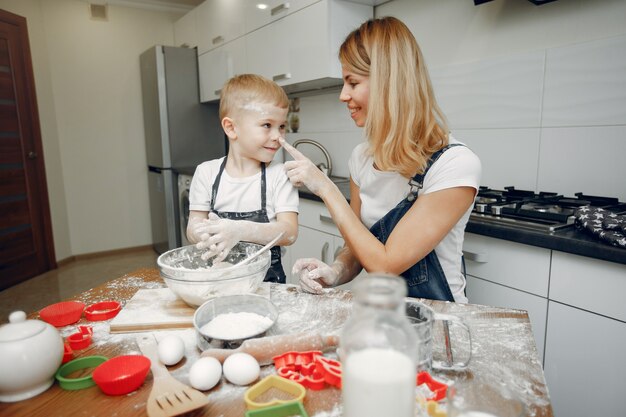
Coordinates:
[377,349]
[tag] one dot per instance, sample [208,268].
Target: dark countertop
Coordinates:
[569,240]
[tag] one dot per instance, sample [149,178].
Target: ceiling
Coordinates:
[162,5]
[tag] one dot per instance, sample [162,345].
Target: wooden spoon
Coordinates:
[168,397]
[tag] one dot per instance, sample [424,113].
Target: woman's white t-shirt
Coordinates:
[242,194]
[381,191]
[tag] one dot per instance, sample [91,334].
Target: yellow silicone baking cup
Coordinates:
[273,382]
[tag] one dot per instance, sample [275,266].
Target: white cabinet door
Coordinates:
[480,291]
[219,22]
[256,17]
[185,33]
[217,66]
[585,363]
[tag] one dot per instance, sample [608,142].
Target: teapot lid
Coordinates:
[19,328]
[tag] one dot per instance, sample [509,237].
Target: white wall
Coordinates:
[89,96]
[539,92]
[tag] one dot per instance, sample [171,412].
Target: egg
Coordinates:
[205,373]
[171,350]
[241,368]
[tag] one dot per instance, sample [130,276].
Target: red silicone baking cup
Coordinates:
[122,374]
[103,310]
[63,313]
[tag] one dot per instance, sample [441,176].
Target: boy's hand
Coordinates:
[301,171]
[224,234]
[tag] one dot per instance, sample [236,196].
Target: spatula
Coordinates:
[168,397]
[256,254]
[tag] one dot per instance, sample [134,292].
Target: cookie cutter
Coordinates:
[102,310]
[438,389]
[310,369]
[81,339]
[68,353]
[282,410]
[294,389]
[73,384]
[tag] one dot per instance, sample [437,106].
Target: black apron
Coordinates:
[276,272]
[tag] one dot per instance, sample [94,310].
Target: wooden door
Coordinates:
[26,245]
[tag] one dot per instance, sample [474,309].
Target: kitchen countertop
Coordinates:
[503,351]
[569,240]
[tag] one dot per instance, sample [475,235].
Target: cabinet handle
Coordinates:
[480,258]
[326,218]
[217,39]
[337,252]
[218,92]
[280,8]
[280,77]
[325,252]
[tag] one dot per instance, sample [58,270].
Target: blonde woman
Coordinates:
[412,184]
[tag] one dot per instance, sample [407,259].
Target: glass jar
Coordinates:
[377,349]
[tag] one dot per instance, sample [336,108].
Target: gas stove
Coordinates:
[543,211]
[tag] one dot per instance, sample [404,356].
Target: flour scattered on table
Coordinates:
[232,326]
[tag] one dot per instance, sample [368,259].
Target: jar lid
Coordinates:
[19,328]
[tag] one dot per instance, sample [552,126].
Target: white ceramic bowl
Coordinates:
[246,303]
[196,281]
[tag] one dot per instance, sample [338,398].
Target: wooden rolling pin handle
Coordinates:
[265,348]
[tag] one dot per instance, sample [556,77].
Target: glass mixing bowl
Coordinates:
[196,280]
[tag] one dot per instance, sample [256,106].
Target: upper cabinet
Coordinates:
[294,43]
[185,32]
[219,22]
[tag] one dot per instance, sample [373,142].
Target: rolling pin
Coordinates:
[263,349]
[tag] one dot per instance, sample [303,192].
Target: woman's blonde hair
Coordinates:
[404,126]
[246,90]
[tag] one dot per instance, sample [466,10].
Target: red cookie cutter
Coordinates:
[68,353]
[81,339]
[310,369]
[103,310]
[438,389]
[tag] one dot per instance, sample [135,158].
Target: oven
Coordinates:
[542,211]
[184,182]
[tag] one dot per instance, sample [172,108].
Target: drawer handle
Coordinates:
[324,252]
[218,92]
[217,39]
[337,252]
[480,258]
[281,77]
[280,8]
[326,218]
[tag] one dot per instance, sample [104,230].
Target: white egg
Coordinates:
[241,368]
[205,373]
[171,350]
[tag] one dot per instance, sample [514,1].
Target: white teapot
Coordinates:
[31,351]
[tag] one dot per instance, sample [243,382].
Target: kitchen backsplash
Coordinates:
[548,120]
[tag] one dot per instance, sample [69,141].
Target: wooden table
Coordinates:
[503,352]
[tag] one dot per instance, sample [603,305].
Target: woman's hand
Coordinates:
[315,275]
[301,171]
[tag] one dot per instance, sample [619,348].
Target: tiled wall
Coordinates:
[547,120]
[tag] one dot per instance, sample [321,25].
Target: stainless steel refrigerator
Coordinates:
[180,133]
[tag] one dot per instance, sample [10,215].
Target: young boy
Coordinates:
[242,197]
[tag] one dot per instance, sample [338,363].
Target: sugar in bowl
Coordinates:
[31,351]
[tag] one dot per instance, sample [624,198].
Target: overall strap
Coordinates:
[263,187]
[417,182]
[216,184]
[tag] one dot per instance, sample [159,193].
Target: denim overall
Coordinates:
[275,273]
[426,278]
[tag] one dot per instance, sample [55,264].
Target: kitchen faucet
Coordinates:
[326,168]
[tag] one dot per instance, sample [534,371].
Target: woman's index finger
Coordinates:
[296,154]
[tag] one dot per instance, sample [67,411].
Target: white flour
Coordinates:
[233,326]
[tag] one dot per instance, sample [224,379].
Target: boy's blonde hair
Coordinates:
[247,89]
[404,126]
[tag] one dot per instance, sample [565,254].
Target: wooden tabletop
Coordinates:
[503,352]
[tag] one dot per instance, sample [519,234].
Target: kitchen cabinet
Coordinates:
[508,274]
[256,17]
[302,47]
[185,31]
[585,362]
[218,65]
[219,22]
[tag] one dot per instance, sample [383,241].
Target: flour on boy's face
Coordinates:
[258,127]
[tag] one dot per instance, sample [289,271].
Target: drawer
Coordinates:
[589,284]
[316,216]
[276,9]
[523,267]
